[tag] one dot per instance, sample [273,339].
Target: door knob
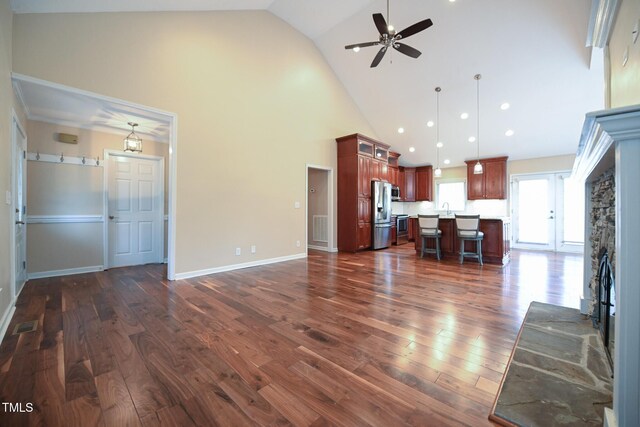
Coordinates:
[111,217]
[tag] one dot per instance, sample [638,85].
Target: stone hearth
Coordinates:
[559,375]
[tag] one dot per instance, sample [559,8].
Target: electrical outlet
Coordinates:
[296,205]
[298,243]
[7,197]
[253,249]
[238,251]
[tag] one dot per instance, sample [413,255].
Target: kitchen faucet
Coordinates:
[448,211]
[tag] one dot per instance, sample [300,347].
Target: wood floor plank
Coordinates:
[374,338]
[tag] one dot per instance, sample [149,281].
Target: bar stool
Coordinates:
[429,230]
[468,228]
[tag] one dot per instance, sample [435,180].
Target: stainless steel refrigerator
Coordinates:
[381,214]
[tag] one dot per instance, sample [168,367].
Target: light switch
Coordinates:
[297,205]
[7,196]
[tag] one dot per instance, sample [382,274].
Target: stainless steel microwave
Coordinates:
[395,193]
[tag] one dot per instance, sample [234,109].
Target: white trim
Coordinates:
[205,272]
[66,160]
[105,183]
[319,248]
[65,272]
[601,22]
[15,120]
[173,153]
[64,219]
[330,203]
[6,319]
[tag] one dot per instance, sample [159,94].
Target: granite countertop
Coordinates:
[489,217]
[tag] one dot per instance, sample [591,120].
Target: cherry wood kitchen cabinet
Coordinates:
[424,184]
[394,173]
[360,160]
[492,183]
[496,245]
[409,185]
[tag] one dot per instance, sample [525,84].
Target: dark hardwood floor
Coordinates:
[377,338]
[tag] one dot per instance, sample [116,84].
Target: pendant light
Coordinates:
[133,142]
[477,169]
[438,171]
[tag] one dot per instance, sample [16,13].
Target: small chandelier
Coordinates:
[133,142]
[438,171]
[477,169]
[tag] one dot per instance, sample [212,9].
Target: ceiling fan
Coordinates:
[389,37]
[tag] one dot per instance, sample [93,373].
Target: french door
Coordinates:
[548,212]
[19,188]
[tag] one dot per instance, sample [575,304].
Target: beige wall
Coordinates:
[67,189]
[625,81]
[8,103]
[255,101]
[5,147]
[541,165]
[317,201]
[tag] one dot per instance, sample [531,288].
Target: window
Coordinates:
[453,192]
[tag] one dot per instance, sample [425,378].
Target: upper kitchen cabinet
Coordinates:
[492,183]
[408,177]
[424,184]
[358,164]
[394,172]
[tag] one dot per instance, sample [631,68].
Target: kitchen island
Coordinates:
[496,245]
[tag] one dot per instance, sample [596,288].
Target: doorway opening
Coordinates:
[548,212]
[320,208]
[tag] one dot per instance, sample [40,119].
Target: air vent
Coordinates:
[24,327]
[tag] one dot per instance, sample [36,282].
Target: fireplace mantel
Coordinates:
[612,138]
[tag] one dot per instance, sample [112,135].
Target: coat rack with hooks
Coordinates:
[61,158]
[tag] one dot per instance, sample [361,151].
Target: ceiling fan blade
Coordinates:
[381,24]
[415,28]
[407,50]
[379,57]
[367,44]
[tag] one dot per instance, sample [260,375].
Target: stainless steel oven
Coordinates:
[402,227]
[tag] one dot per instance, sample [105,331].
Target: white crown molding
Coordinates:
[603,16]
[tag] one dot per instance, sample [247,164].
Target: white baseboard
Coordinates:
[319,248]
[334,250]
[67,272]
[6,319]
[205,272]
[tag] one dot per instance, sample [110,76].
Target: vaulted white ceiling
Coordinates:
[531,54]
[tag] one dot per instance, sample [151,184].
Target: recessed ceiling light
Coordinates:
[439,145]
[472,139]
[400,130]
[430,124]
[447,161]
[464,116]
[509,132]
[412,149]
[452,1]
[356,49]
[505,106]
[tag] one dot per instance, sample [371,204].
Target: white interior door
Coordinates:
[135,209]
[19,189]
[548,212]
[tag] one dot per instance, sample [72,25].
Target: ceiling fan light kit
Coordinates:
[390,38]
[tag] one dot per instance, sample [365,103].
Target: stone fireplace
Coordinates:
[609,161]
